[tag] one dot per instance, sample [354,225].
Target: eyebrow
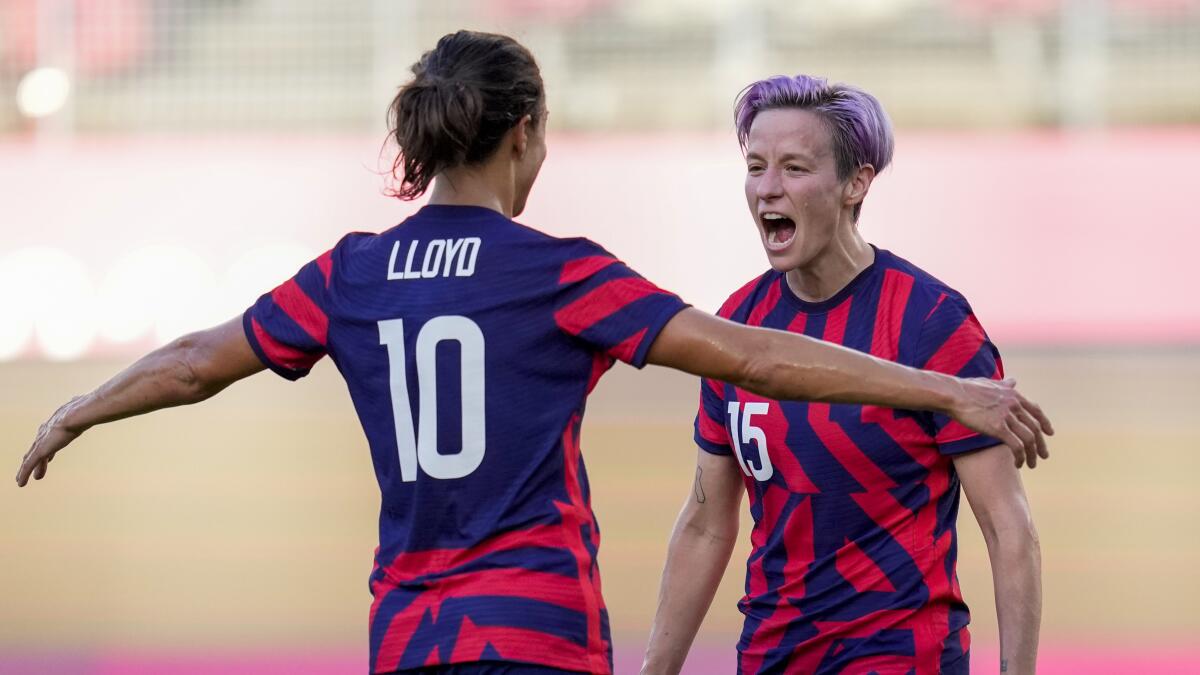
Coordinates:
[784,157]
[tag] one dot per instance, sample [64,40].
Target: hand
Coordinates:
[52,436]
[997,409]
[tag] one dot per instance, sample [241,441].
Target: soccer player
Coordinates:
[469,344]
[854,506]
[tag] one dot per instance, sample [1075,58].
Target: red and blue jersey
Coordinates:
[469,344]
[854,544]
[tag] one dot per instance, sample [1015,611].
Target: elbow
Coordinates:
[723,535]
[711,531]
[1023,545]
[760,373]
[185,367]
[779,369]
[1017,538]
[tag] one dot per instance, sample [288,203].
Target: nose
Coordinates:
[768,186]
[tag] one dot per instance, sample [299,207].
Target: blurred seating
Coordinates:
[311,65]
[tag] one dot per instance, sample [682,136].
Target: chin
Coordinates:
[783,262]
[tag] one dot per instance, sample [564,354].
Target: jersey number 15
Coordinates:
[748,433]
[418,446]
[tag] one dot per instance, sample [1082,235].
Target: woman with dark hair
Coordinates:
[469,344]
[854,507]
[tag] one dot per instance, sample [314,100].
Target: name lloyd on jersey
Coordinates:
[441,255]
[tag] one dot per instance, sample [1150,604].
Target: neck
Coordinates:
[474,186]
[844,258]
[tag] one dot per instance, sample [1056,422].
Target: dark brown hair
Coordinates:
[466,93]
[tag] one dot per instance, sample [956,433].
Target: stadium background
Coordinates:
[162,162]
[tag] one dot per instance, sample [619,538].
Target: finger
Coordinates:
[1027,447]
[28,463]
[23,472]
[1028,443]
[1027,420]
[1036,411]
[1014,445]
[40,471]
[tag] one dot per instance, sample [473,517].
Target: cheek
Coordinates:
[817,202]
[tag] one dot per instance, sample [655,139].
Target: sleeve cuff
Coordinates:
[286,373]
[654,328]
[968,444]
[710,447]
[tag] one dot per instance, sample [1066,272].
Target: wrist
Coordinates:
[72,418]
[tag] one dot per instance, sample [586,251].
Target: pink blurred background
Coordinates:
[1058,238]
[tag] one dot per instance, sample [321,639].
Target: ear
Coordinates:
[520,136]
[857,186]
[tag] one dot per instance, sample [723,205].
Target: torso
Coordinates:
[469,344]
[854,506]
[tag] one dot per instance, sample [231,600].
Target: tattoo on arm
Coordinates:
[699,488]
[1004,665]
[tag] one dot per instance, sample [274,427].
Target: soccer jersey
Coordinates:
[469,343]
[854,545]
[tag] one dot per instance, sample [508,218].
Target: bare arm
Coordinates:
[190,369]
[699,552]
[781,365]
[998,500]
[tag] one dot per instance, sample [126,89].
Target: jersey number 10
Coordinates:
[418,446]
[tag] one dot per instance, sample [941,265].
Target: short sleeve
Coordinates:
[953,342]
[288,328]
[711,434]
[611,308]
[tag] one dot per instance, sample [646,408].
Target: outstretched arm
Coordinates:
[998,500]
[781,365]
[701,544]
[188,370]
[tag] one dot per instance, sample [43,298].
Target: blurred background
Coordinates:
[162,162]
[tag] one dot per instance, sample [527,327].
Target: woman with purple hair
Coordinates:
[854,507]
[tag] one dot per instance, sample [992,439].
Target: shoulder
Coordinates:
[353,246]
[579,247]
[556,249]
[353,242]
[945,334]
[577,258]
[926,294]
[736,306]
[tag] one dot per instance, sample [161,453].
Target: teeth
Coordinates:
[772,216]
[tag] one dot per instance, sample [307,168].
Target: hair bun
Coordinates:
[465,94]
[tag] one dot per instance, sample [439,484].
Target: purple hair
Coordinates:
[860,129]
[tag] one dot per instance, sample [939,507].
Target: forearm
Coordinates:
[166,377]
[696,561]
[1017,577]
[786,366]
[188,370]
[791,366]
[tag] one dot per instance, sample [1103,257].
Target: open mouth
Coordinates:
[780,230]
